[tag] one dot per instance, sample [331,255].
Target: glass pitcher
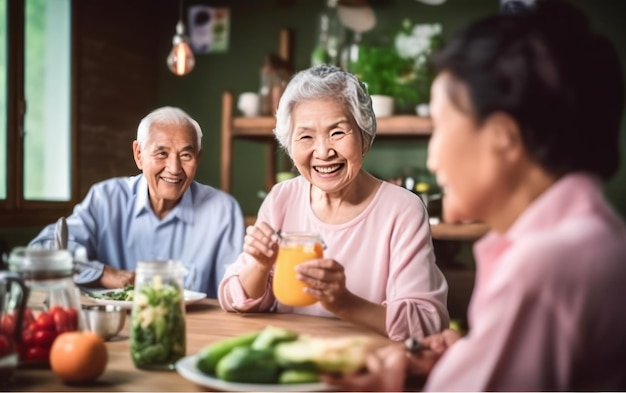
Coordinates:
[294,249]
[53,303]
[157,335]
[13,297]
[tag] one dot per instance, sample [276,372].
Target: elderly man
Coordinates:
[158,215]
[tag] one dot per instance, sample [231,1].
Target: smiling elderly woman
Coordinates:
[379,268]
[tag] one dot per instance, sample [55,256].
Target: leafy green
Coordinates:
[387,70]
[126,294]
[157,326]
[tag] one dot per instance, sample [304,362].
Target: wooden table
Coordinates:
[206,323]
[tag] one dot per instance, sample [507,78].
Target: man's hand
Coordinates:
[116,278]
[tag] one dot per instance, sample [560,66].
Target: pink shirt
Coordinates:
[386,252]
[547,312]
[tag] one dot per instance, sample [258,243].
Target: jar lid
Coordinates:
[170,266]
[36,260]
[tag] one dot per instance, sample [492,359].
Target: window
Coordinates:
[35,110]
[3,98]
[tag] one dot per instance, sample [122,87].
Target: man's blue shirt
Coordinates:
[117,226]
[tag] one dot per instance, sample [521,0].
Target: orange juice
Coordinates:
[294,249]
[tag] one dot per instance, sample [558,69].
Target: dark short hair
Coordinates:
[559,80]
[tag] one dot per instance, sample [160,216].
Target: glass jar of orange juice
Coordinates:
[295,248]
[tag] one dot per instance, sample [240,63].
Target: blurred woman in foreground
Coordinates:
[527,111]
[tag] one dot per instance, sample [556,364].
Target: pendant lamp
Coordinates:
[180,60]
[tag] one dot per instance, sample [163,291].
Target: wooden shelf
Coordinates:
[404,126]
[254,127]
[262,128]
[394,126]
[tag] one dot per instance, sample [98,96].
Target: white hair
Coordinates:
[166,115]
[325,81]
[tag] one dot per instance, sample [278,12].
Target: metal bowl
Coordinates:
[104,320]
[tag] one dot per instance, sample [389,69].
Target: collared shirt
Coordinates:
[117,226]
[386,252]
[547,312]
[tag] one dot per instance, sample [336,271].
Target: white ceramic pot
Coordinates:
[249,103]
[382,105]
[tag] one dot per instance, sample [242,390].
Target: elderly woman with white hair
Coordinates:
[379,267]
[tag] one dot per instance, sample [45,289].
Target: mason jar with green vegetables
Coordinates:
[157,335]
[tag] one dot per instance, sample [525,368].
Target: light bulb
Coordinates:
[180,60]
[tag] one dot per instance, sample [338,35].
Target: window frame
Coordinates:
[15,211]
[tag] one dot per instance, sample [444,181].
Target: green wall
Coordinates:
[255,27]
[254,32]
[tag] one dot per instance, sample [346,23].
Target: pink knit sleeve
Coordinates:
[233,298]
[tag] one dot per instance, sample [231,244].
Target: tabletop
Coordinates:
[206,322]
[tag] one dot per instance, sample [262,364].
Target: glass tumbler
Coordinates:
[294,249]
[13,296]
[53,302]
[157,335]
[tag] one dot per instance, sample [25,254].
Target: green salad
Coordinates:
[157,336]
[125,295]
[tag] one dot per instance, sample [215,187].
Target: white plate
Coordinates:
[190,297]
[186,367]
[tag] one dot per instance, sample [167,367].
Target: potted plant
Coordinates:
[400,69]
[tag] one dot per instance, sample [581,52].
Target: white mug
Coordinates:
[249,103]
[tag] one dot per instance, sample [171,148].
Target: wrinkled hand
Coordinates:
[386,370]
[433,347]
[325,280]
[116,278]
[440,342]
[261,243]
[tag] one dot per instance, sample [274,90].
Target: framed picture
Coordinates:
[209,28]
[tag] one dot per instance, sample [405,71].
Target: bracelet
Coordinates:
[415,379]
[413,345]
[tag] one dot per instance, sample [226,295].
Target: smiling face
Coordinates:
[169,162]
[326,144]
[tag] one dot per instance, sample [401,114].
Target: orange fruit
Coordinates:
[78,357]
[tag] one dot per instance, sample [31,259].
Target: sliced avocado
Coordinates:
[272,335]
[337,355]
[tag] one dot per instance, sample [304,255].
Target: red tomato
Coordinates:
[7,324]
[54,309]
[37,354]
[61,319]
[45,322]
[28,338]
[27,318]
[5,345]
[72,316]
[44,338]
